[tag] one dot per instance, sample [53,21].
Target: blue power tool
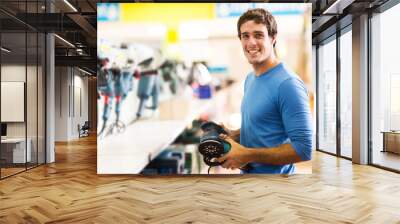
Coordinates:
[211,145]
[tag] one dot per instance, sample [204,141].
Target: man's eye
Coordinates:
[245,36]
[258,36]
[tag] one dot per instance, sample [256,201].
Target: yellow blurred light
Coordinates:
[172,36]
[167,13]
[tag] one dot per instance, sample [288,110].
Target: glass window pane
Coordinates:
[386,89]
[22,71]
[327,97]
[41,99]
[346,94]
[13,86]
[31,96]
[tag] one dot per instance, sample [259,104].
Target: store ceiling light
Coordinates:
[337,7]
[5,50]
[86,72]
[64,40]
[70,5]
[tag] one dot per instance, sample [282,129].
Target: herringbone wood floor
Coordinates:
[70,191]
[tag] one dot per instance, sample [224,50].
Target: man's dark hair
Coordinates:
[259,16]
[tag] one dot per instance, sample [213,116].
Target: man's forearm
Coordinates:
[284,154]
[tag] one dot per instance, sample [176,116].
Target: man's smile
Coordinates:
[253,52]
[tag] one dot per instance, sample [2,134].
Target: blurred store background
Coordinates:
[165,68]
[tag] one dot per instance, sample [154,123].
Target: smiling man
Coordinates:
[276,129]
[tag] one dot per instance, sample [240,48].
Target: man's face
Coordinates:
[256,43]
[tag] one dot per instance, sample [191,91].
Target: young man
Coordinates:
[276,129]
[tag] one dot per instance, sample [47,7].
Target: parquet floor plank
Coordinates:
[70,191]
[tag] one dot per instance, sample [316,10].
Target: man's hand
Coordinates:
[233,134]
[236,157]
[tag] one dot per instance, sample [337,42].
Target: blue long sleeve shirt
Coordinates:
[275,110]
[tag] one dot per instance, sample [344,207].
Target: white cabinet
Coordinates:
[18,149]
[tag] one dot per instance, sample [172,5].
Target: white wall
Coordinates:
[12,73]
[61,103]
[71,102]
